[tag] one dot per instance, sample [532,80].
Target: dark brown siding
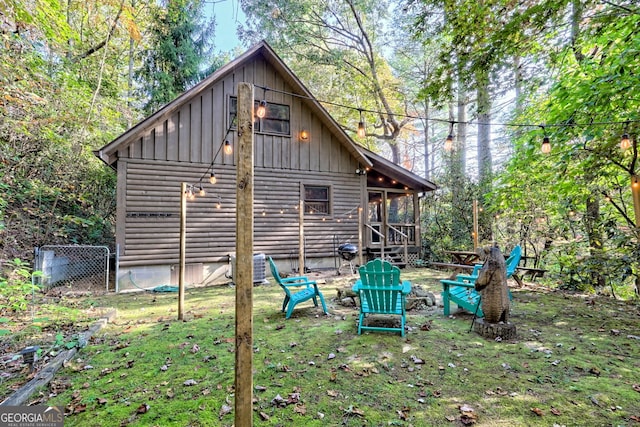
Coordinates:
[153,209]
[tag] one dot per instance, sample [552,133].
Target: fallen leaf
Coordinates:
[417,360]
[263,416]
[224,410]
[636,387]
[260,388]
[331,356]
[278,401]
[450,418]
[190,382]
[300,409]
[293,398]
[332,393]
[102,401]
[142,409]
[195,348]
[353,411]
[79,408]
[555,411]
[537,411]
[468,415]
[466,408]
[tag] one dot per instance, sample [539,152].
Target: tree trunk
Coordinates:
[427,143]
[591,225]
[484,128]
[461,140]
[517,71]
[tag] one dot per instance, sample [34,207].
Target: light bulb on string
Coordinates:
[228,149]
[201,191]
[212,178]
[261,111]
[448,143]
[625,142]
[190,194]
[361,130]
[546,143]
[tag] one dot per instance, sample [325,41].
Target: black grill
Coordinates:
[347,251]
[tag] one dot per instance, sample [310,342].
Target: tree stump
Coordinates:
[506,331]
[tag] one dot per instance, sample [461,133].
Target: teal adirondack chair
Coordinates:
[462,290]
[307,289]
[381,292]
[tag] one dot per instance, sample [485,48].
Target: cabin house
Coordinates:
[302,159]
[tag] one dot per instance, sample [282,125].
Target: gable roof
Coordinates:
[108,153]
[398,173]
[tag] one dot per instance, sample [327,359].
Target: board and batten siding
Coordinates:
[180,148]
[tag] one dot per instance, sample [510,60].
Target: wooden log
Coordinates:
[44,376]
[505,331]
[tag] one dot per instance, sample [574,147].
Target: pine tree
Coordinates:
[181,38]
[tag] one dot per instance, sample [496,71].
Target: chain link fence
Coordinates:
[79,267]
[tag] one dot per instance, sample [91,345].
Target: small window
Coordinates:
[276,119]
[316,200]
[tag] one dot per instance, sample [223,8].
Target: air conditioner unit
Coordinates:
[259,268]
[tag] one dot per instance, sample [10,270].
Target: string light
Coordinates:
[448,143]
[261,111]
[228,148]
[625,142]
[361,130]
[439,120]
[546,144]
[201,192]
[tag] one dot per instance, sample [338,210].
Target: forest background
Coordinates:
[464,93]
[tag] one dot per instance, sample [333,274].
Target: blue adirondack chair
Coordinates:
[462,290]
[381,292]
[306,290]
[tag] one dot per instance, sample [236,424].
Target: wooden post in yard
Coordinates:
[635,193]
[244,259]
[301,236]
[475,225]
[183,249]
[360,260]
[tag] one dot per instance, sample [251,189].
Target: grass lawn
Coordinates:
[576,363]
